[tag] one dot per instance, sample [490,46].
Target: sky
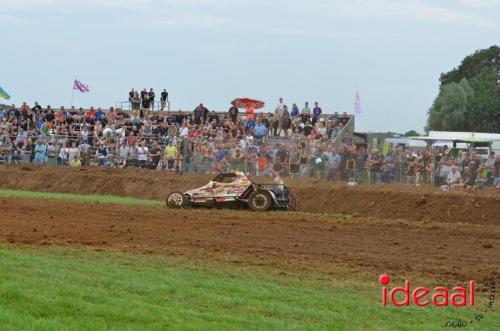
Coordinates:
[212,51]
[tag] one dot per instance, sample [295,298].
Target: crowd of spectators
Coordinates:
[446,167]
[299,143]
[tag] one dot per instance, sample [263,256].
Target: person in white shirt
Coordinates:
[73,152]
[184,130]
[453,180]
[62,158]
[280,107]
[142,154]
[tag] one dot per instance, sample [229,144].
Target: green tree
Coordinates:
[448,113]
[411,133]
[469,96]
[472,65]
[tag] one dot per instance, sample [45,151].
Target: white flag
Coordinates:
[357,103]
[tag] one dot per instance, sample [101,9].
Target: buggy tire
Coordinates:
[176,200]
[260,201]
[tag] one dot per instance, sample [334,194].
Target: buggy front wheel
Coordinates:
[260,201]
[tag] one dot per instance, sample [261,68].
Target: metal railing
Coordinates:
[157,105]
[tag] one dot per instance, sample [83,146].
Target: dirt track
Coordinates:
[390,201]
[319,243]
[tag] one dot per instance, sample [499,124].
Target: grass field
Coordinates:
[68,289]
[83,289]
[80,198]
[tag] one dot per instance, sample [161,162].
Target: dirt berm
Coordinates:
[383,201]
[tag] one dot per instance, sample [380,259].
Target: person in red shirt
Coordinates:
[249,113]
[25,110]
[91,113]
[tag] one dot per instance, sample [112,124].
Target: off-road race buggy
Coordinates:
[235,188]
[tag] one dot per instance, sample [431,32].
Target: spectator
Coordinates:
[316,113]
[102,154]
[453,179]
[260,130]
[151,97]
[75,163]
[388,167]
[154,156]
[164,99]
[305,114]
[351,170]
[237,160]
[496,171]
[473,170]
[7,150]
[184,131]
[200,113]
[286,121]
[142,154]
[73,152]
[124,152]
[136,104]
[170,156]
[40,152]
[489,167]
[295,111]
[320,164]
[144,103]
[376,166]
[131,95]
[233,114]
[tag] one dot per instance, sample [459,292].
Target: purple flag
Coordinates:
[357,103]
[80,86]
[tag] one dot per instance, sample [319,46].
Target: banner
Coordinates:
[386,148]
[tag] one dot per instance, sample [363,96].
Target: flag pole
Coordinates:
[73,93]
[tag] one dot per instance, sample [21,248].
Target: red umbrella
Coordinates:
[246,103]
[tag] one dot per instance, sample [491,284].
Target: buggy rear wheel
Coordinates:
[260,201]
[176,200]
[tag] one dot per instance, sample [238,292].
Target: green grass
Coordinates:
[79,198]
[70,289]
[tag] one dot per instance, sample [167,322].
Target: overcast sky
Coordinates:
[212,51]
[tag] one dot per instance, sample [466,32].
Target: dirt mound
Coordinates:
[385,201]
[318,243]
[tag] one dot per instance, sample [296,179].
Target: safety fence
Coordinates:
[331,160]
